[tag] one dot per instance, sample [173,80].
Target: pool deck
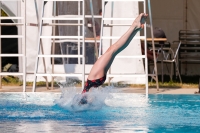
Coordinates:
[122,90]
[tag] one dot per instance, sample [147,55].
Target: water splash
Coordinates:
[71,97]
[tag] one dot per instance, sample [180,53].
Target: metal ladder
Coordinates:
[79,39]
[20,22]
[110,75]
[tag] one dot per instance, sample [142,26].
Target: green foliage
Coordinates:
[11,80]
[3,13]
[15,81]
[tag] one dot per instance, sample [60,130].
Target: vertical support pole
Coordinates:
[102,22]
[79,29]
[111,33]
[39,40]
[0,50]
[152,36]
[186,14]
[94,30]
[21,42]
[24,49]
[146,60]
[53,44]
[60,44]
[20,29]
[24,73]
[41,44]
[199,86]
[83,44]
[63,59]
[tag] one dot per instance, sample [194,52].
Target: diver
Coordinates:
[97,75]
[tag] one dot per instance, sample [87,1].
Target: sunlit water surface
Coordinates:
[108,111]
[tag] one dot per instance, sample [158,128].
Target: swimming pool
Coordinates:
[116,112]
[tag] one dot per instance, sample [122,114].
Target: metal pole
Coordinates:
[83,44]
[0,50]
[53,47]
[78,45]
[41,44]
[111,32]
[152,36]
[199,86]
[19,32]
[39,34]
[146,60]
[102,21]
[186,12]
[24,49]
[94,30]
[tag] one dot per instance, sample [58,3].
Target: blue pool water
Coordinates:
[111,112]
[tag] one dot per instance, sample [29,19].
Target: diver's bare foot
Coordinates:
[140,20]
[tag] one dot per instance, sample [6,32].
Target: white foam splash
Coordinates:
[71,97]
[97,98]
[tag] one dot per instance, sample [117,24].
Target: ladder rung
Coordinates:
[11,73]
[65,17]
[94,16]
[58,37]
[63,0]
[98,41]
[86,16]
[57,18]
[11,18]
[11,36]
[70,40]
[11,24]
[59,74]
[28,72]
[124,0]
[117,37]
[110,25]
[126,75]
[54,24]
[119,19]
[66,40]
[135,56]
[170,61]
[67,56]
[152,75]
[11,55]
[10,0]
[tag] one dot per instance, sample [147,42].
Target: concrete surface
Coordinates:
[122,90]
